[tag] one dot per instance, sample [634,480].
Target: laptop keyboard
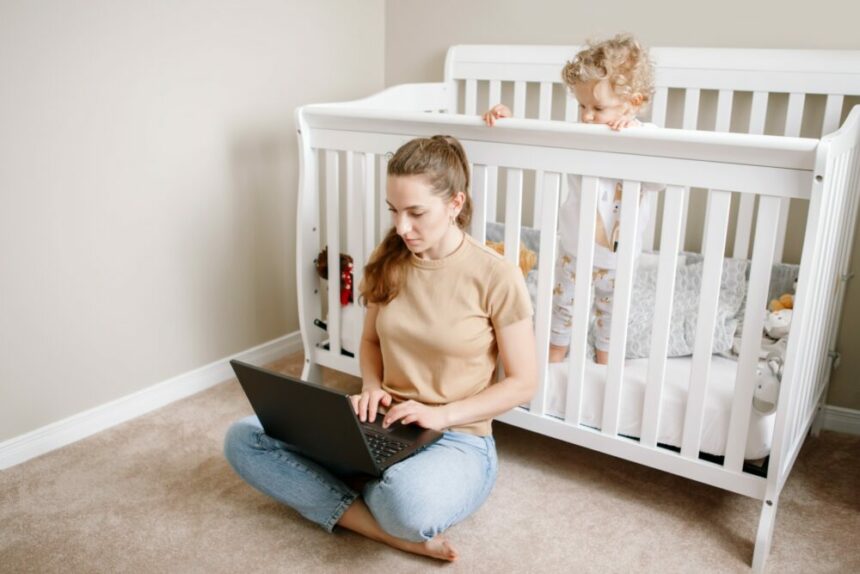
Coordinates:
[382,446]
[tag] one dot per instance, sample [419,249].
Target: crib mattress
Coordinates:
[717,412]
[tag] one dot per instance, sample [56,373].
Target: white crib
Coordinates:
[716,106]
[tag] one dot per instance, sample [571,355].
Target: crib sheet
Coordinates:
[717,412]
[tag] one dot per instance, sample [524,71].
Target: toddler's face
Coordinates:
[599,104]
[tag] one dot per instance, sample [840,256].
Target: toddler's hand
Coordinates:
[496,112]
[622,122]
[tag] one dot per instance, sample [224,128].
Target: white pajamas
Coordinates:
[606,236]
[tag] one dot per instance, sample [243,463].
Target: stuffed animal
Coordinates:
[350,316]
[768,378]
[784,301]
[528,258]
[778,323]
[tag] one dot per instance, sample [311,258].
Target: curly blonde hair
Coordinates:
[621,60]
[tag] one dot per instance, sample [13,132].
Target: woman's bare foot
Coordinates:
[359,519]
[437,547]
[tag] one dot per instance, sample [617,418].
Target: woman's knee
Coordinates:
[240,439]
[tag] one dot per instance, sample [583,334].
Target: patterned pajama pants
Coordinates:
[603,283]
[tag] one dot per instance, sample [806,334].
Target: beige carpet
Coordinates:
[156,495]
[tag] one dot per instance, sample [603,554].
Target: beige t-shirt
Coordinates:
[438,335]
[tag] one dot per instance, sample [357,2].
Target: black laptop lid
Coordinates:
[314,420]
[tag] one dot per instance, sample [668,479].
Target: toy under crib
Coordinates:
[706,378]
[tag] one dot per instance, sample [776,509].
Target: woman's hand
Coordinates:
[367,403]
[425,416]
[496,112]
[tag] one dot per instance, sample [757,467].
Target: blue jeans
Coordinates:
[415,499]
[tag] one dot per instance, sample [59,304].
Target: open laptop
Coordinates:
[321,424]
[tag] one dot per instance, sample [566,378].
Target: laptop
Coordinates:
[321,424]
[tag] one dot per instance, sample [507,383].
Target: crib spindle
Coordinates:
[582,299]
[478,228]
[369,215]
[384,220]
[494,94]
[513,215]
[669,247]
[332,180]
[743,229]
[630,199]
[719,203]
[519,110]
[471,95]
[545,101]
[756,305]
[658,107]
[832,113]
[689,122]
[355,206]
[571,108]
[793,120]
[543,311]
[724,111]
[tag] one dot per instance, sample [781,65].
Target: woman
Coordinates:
[441,309]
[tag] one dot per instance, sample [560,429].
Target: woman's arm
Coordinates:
[517,350]
[370,363]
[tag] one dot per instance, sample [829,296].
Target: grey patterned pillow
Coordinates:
[685,307]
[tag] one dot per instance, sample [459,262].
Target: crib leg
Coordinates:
[764,536]
[818,422]
[311,372]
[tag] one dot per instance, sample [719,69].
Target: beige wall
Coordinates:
[417,34]
[148,172]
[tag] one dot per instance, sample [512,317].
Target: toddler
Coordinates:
[612,80]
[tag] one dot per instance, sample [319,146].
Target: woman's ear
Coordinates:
[457,201]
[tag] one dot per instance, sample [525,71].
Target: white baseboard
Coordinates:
[840,419]
[61,433]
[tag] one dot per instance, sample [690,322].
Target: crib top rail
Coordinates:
[547,145]
[806,71]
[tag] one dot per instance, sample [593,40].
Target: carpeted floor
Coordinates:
[156,495]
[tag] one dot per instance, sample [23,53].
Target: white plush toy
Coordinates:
[768,377]
[777,323]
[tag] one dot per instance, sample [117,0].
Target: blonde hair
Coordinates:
[621,60]
[442,162]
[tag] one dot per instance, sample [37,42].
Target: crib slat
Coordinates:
[651,225]
[582,300]
[494,94]
[630,199]
[794,115]
[545,101]
[757,292]
[519,110]
[471,102]
[492,192]
[571,108]
[543,311]
[724,110]
[369,194]
[513,215]
[479,203]
[669,247]
[355,205]
[758,112]
[332,189]
[658,107]
[793,119]
[743,230]
[544,113]
[719,203]
[691,108]
[384,215]
[832,113]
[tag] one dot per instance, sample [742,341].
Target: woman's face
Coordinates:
[422,218]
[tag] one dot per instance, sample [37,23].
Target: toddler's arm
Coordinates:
[496,112]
